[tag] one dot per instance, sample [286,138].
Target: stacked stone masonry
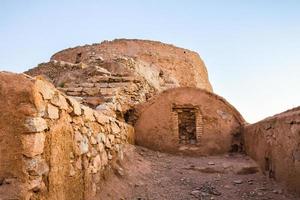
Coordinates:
[114,85]
[74,141]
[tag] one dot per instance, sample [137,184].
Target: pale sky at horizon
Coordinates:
[251,48]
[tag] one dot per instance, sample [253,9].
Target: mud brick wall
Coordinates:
[275,144]
[58,148]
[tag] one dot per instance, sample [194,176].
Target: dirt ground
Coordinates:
[150,175]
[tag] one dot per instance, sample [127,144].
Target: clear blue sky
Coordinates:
[251,47]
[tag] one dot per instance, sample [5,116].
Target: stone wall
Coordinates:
[115,85]
[58,148]
[274,144]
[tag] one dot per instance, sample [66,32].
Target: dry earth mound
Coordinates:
[117,75]
[183,65]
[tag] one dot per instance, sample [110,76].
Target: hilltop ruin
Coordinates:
[68,123]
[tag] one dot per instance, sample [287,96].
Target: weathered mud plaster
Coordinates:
[185,66]
[216,123]
[51,146]
[275,144]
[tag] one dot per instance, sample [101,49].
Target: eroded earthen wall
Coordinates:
[184,65]
[15,104]
[274,144]
[54,147]
[217,123]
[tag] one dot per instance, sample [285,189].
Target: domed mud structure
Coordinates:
[189,120]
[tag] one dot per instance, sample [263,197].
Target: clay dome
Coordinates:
[188,120]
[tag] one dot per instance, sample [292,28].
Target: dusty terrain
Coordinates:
[147,174]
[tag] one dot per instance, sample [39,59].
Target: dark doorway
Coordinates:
[187,126]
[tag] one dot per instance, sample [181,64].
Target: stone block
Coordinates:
[93,140]
[35,124]
[108,91]
[81,143]
[93,101]
[40,104]
[77,136]
[36,166]
[59,101]
[111,138]
[45,88]
[91,91]
[74,93]
[33,144]
[115,128]
[116,85]
[104,158]
[75,105]
[101,138]
[101,85]
[35,184]
[101,118]
[87,85]
[101,147]
[74,89]
[88,113]
[52,112]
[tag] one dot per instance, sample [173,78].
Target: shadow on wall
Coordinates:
[58,148]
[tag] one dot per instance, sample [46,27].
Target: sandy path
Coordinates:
[147,174]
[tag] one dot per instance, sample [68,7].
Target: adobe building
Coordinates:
[61,133]
[189,120]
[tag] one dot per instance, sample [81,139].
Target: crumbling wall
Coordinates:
[15,104]
[111,86]
[61,147]
[115,76]
[217,123]
[274,144]
[185,66]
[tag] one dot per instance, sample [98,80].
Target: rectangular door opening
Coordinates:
[187,125]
